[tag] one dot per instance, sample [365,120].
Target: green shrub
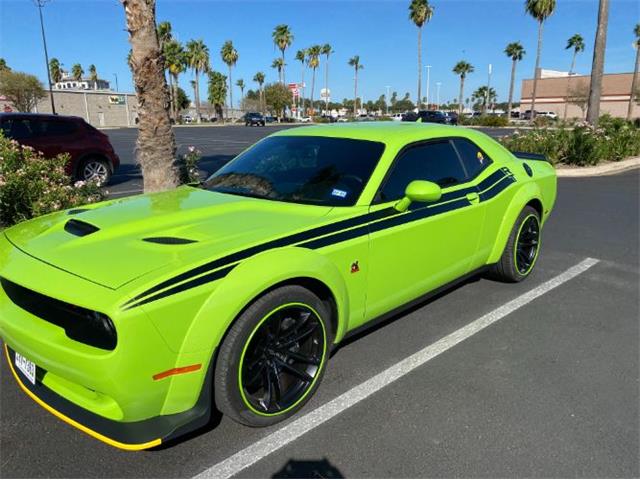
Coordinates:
[31,185]
[614,140]
[188,166]
[484,121]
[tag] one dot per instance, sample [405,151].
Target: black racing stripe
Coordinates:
[211,277]
[332,231]
[498,188]
[280,242]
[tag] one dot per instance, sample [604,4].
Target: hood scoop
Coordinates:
[80,228]
[169,240]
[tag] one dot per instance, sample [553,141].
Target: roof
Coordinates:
[383,131]
[39,115]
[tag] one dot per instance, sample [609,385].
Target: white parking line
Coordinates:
[290,432]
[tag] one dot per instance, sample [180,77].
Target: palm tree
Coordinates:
[576,42]
[326,51]
[259,79]
[93,76]
[420,12]
[240,85]
[485,95]
[198,60]
[597,67]
[515,51]
[355,63]
[634,81]
[283,38]
[77,72]
[540,10]
[313,60]
[229,56]
[164,33]
[156,145]
[301,56]
[56,71]
[175,60]
[462,69]
[278,64]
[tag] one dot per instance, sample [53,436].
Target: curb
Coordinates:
[607,169]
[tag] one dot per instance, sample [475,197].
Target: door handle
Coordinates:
[473,197]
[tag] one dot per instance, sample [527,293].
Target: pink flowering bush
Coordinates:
[583,145]
[31,185]
[188,166]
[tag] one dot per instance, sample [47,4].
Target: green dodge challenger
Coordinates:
[133,319]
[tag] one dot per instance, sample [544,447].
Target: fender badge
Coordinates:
[355,268]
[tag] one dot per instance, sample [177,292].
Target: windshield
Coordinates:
[315,170]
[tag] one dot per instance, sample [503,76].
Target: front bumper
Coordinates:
[138,435]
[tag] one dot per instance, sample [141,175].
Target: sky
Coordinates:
[379,31]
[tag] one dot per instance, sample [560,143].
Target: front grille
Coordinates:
[80,324]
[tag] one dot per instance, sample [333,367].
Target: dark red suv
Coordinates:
[92,156]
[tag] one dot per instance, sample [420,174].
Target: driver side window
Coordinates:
[436,162]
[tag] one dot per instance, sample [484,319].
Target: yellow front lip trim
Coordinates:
[73,423]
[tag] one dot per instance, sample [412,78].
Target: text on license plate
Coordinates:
[27,367]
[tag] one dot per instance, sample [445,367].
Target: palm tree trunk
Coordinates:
[460,108]
[230,90]
[197,95]
[513,81]
[313,85]
[355,93]
[171,98]
[419,67]
[156,144]
[283,66]
[326,86]
[593,109]
[176,107]
[535,72]
[634,83]
[566,101]
[303,88]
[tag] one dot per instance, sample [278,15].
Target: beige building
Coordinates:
[99,108]
[554,92]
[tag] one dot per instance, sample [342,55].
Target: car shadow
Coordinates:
[308,469]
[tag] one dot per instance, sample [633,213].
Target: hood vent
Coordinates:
[76,211]
[169,240]
[80,228]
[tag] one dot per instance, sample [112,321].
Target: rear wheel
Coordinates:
[273,357]
[521,252]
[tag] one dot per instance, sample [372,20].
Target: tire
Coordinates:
[254,383]
[95,169]
[517,264]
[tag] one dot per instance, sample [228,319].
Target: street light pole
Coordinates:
[116,75]
[428,67]
[40,4]
[387,98]
[438,95]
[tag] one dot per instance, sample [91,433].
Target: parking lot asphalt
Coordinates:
[217,144]
[548,390]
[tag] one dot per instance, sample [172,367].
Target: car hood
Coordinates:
[106,243]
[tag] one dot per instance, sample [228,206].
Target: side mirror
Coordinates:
[419,191]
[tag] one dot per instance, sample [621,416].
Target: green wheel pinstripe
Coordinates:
[306,389]
[534,246]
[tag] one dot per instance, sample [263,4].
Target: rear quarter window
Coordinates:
[472,157]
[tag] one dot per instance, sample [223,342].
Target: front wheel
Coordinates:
[273,357]
[521,252]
